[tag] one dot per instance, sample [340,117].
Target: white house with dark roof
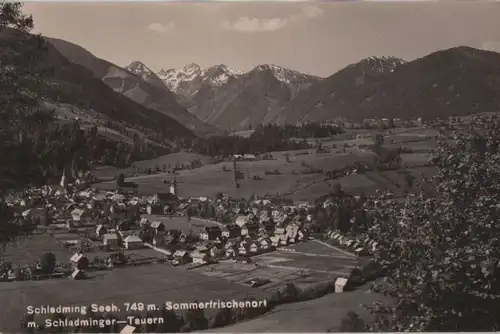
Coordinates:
[231,231]
[254,248]
[199,257]
[78,260]
[182,256]
[77,274]
[110,239]
[133,242]
[158,227]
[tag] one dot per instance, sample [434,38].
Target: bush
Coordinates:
[352,323]
[48,262]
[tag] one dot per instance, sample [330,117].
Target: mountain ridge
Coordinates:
[222,97]
[141,87]
[457,81]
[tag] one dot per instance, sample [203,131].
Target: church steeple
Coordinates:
[64,179]
[173,186]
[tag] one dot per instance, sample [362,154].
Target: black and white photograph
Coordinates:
[249,167]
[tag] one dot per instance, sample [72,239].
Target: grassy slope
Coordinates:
[156,98]
[458,81]
[76,85]
[317,315]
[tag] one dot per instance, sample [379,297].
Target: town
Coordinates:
[249,178]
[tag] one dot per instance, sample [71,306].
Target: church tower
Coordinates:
[173,186]
[64,179]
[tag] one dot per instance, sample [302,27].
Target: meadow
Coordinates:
[318,315]
[149,284]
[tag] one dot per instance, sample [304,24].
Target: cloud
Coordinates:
[247,24]
[161,27]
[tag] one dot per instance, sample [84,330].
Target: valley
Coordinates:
[210,167]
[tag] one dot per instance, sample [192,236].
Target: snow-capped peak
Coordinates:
[192,68]
[188,80]
[139,68]
[282,74]
[383,64]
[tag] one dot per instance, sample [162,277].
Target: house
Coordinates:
[128,188]
[133,242]
[252,228]
[265,243]
[264,216]
[158,227]
[78,261]
[100,230]
[182,256]
[231,231]
[154,209]
[254,248]
[143,222]
[282,236]
[230,250]
[283,239]
[202,248]
[303,235]
[80,214]
[243,247]
[200,258]
[229,244]
[211,233]
[111,239]
[242,220]
[292,231]
[166,199]
[340,283]
[216,252]
[262,231]
[268,225]
[123,225]
[77,275]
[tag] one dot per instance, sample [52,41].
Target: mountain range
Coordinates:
[456,81]
[70,84]
[135,81]
[232,99]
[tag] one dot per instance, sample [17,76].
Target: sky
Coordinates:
[317,38]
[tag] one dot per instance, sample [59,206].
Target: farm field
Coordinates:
[318,315]
[147,284]
[172,159]
[322,264]
[242,272]
[210,179]
[25,251]
[304,264]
